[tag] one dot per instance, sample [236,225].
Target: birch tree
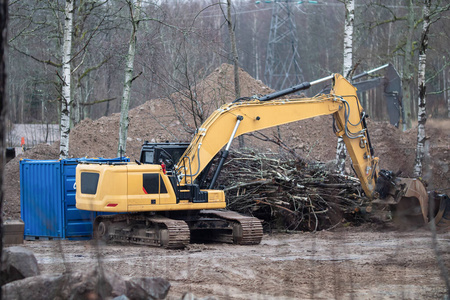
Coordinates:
[408,75]
[347,72]
[427,15]
[348,37]
[36,43]
[135,10]
[422,111]
[66,100]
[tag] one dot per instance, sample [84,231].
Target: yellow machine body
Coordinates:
[121,188]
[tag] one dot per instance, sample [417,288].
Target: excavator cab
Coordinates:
[167,153]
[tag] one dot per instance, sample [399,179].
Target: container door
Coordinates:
[78,223]
[40,199]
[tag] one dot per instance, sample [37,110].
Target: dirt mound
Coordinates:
[11,187]
[436,166]
[397,151]
[171,119]
[159,120]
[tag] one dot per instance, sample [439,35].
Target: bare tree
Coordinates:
[66,101]
[135,11]
[347,72]
[39,43]
[92,21]
[3,39]
[448,93]
[402,49]
[408,68]
[427,14]
[422,111]
[237,87]
[234,53]
[348,38]
[187,52]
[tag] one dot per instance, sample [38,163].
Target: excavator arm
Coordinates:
[408,196]
[240,117]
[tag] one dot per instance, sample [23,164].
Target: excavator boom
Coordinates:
[237,118]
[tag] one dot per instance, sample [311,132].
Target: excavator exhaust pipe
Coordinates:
[413,207]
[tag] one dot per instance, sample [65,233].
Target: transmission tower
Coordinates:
[282,67]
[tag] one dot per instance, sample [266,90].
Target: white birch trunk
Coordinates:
[348,64]
[421,111]
[66,101]
[348,37]
[129,68]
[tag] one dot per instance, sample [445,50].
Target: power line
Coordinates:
[282,67]
[298,5]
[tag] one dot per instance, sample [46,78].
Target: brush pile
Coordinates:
[291,194]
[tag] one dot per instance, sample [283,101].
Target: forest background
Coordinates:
[178,43]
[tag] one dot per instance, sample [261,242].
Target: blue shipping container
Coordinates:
[47,199]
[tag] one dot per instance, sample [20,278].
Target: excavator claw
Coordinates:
[412,208]
[411,203]
[440,208]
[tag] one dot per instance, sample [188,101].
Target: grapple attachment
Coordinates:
[412,205]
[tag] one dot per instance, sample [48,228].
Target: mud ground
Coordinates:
[352,263]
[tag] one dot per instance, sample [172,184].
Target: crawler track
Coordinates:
[160,231]
[156,231]
[246,230]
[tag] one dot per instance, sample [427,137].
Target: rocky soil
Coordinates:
[351,263]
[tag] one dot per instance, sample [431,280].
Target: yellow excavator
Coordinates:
[164,198]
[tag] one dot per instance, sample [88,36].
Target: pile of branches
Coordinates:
[291,194]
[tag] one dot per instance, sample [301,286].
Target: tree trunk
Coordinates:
[76,108]
[86,109]
[422,112]
[237,86]
[3,41]
[347,72]
[448,93]
[66,101]
[21,96]
[348,37]
[407,76]
[108,90]
[254,43]
[124,122]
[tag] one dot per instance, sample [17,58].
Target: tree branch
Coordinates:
[47,62]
